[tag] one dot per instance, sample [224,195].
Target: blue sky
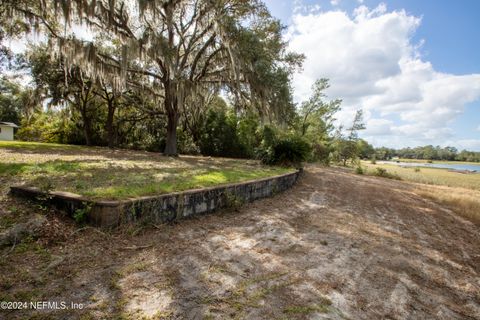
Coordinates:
[429,93]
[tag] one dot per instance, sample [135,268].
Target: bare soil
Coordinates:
[336,246]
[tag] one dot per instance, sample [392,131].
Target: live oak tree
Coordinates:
[178,47]
[196,46]
[50,79]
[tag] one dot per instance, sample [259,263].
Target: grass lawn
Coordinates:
[101,173]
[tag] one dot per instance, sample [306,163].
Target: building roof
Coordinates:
[8,124]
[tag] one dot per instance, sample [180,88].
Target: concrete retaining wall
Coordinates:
[162,208]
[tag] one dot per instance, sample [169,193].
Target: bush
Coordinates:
[321,153]
[80,215]
[290,151]
[219,136]
[381,172]
[359,170]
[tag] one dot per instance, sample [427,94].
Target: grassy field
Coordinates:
[100,173]
[433,176]
[459,191]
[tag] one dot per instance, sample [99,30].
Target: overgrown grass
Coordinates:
[141,186]
[100,173]
[458,191]
[462,201]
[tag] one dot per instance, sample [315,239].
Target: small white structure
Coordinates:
[6,130]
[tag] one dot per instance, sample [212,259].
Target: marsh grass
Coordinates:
[458,191]
[100,173]
[431,176]
[462,201]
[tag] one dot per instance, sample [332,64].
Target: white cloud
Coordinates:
[334,2]
[372,64]
[379,127]
[469,144]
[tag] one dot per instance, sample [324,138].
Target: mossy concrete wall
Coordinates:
[162,208]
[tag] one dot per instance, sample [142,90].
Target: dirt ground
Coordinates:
[336,246]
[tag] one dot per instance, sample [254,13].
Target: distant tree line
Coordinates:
[428,153]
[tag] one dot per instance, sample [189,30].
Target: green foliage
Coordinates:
[365,150]
[80,112]
[347,148]
[43,127]
[219,137]
[321,152]
[45,184]
[247,133]
[382,172]
[289,151]
[10,104]
[359,170]
[80,215]
[314,122]
[316,116]
[232,201]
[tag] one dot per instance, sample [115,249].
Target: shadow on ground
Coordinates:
[336,246]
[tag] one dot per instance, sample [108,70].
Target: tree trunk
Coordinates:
[87,130]
[171,107]
[171,143]
[87,126]
[109,125]
[82,99]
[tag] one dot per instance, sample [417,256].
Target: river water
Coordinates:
[460,166]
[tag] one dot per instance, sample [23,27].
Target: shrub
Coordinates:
[219,137]
[381,172]
[80,215]
[264,151]
[290,151]
[321,153]
[417,169]
[359,170]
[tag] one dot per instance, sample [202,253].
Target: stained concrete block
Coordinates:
[162,208]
